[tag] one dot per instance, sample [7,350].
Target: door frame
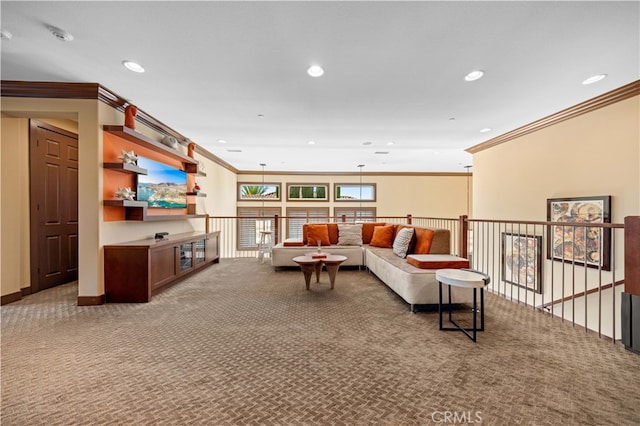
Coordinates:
[34,262]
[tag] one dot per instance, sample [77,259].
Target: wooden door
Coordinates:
[53,156]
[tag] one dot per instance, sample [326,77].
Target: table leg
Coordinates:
[332,269]
[307,270]
[318,268]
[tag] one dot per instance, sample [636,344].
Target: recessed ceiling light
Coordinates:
[311,142]
[474,75]
[391,143]
[485,130]
[133,66]
[6,35]
[315,71]
[221,141]
[594,78]
[60,34]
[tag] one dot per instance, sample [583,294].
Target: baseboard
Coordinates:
[92,300]
[10,298]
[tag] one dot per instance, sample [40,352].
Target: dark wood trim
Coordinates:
[92,300]
[625,92]
[581,294]
[10,298]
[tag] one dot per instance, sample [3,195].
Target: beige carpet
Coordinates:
[240,344]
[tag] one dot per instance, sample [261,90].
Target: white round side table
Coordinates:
[467,278]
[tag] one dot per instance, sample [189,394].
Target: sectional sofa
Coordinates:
[412,278]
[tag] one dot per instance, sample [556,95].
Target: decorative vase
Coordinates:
[130,116]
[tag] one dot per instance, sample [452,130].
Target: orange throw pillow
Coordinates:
[367,230]
[382,236]
[317,233]
[424,238]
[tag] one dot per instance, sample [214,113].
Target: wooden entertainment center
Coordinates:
[134,270]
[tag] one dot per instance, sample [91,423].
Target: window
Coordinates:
[355,214]
[355,192]
[298,216]
[251,221]
[258,191]
[307,192]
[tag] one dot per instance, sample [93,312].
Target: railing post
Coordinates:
[343,218]
[206,223]
[463,240]
[276,237]
[631,295]
[409,218]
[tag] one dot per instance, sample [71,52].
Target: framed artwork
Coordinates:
[576,241]
[259,191]
[522,260]
[355,192]
[307,192]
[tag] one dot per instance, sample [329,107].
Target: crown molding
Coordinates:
[58,90]
[287,173]
[625,92]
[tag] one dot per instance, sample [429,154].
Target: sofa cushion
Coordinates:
[318,232]
[424,238]
[349,234]
[437,261]
[333,233]
[331,227]
[402,242]
[382,236]
[367,230]
[292,242]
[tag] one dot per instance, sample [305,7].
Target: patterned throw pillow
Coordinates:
[349,235]
[402,241]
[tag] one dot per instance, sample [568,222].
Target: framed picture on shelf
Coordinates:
[355,192]
[522,260]
[576,242]
[259,191]
[307,192]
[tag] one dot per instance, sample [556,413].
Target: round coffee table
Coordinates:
[308,265]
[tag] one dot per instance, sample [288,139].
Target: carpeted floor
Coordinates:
[240,344]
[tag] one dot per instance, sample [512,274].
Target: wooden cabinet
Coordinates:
[134,270]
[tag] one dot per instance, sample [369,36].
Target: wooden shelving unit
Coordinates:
[137,210]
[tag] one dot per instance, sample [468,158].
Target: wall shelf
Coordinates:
[126,203]
[125,168]
[137,210]
[191,165]
[197,194]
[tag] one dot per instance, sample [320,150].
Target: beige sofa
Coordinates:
[415,284]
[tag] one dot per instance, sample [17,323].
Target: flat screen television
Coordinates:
[163,186]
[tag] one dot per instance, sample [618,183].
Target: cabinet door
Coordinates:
[200,251]
[186,256]
[163,265]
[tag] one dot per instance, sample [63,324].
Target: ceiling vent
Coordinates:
[234,150]
[381,152]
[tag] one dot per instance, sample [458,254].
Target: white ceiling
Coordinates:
[394,71]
